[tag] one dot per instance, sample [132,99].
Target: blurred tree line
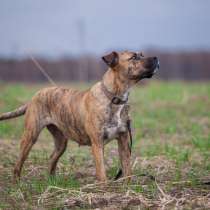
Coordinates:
[179,65]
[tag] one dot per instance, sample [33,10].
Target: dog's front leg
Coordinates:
[98,153]
[124,153]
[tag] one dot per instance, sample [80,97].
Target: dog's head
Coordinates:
[131,66]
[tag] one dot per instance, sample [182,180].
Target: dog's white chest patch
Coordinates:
[115,126]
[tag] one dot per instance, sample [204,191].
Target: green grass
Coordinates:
[171,122]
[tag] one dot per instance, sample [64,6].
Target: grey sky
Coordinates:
[55,28]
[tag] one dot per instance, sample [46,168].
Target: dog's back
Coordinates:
[63,108]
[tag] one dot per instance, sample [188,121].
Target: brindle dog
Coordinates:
[92,117]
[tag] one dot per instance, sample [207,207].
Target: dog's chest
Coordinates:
[115,123]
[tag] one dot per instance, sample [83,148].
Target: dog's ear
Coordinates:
[111,59]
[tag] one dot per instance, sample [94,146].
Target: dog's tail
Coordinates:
[16,113]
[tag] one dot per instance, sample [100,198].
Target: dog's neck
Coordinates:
[115,84]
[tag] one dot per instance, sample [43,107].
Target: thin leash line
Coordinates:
[41,69]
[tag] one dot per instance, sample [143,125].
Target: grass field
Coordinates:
[171,124]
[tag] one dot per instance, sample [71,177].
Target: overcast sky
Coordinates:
[62,27]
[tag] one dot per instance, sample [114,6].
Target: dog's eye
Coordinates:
[133,57]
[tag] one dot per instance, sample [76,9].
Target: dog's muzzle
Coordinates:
[151,65]
[151,68]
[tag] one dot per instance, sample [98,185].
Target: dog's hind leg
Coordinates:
[60,147]
[29,138]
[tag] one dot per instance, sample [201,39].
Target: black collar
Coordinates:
[117,100]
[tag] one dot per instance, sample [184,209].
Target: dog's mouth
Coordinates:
[148,73]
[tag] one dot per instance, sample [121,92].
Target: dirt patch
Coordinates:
[153,184]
